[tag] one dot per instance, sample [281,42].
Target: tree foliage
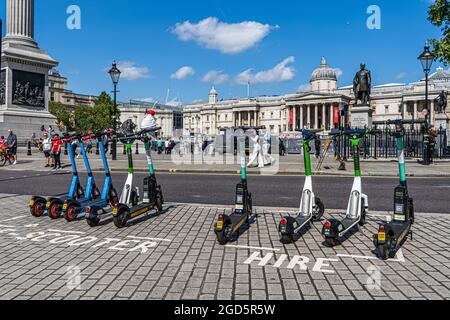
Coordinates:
[439,15]
[86,118]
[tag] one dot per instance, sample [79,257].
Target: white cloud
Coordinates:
[280,73]
[401,75]
[183,73]
[229,38]
[339,72]
[131,71]
[215,77]
[304,88]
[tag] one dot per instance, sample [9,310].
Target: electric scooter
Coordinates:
[311,207]
[227,225]
[40,205]
[129,206]
[358,205]
[74,210]
[392,235]
[55,205]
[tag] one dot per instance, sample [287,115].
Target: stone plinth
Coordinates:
[361,116]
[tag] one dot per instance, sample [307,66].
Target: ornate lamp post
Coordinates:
[114,73]
[426,58]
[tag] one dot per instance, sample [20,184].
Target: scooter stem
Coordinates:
[307,156]
[401,159]
[129,151]
[148,153]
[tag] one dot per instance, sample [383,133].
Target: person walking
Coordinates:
[47,149]
[159,145]
[56,151]
[167,146]
[12,145]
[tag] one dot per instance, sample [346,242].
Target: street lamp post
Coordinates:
[114,72]
[426,59]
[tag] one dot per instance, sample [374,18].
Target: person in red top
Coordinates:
[56,151]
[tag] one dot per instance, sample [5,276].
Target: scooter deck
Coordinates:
[302,220]
[348,222]
[141,209]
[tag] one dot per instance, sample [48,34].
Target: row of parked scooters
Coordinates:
[90,204]
[391,234]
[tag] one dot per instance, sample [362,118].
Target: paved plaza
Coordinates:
[176,256]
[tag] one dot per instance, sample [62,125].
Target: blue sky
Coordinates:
[152,40]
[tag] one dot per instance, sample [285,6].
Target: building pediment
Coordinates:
[316,97]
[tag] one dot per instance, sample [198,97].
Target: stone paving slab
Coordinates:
[176,256]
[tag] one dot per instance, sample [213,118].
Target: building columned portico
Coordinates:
[317,108]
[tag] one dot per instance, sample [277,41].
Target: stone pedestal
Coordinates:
[361,116]
[441,120]
[24,74]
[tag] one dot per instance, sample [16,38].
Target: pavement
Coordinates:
[175,256]
[288,165]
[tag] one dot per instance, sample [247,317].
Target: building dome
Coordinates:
[324,72]
[324,78]
[213,91]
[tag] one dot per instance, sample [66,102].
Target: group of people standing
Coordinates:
[52,147]
[10,144]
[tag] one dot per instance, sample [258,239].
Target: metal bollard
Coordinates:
[97,148]
[124,150]
[137,148]
[66,152]
[29,148]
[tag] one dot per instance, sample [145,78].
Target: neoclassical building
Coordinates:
[317,108]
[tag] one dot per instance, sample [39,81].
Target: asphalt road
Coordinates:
[431,195]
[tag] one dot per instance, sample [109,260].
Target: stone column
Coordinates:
[20,21]
[432,111]
[316,116]
[308,121]
[415,111]
[331,116]
[405,110]
[324,116]
[294,127]
[302,120]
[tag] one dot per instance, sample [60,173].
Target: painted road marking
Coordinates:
[15,218]
[252,248]
[63,231]
[151,239]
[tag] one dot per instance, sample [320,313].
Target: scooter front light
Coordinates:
[327,225]
[88,210]
[284,222]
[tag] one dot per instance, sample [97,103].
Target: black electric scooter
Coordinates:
[311,207]
[129,206]
[392,235]
[227,225]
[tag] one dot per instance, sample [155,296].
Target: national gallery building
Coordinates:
[317,108]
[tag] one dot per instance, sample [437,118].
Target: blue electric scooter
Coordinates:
[74,209]
[53,205]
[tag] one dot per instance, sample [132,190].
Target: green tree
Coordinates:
[63,114]
[439,15]
[104,111]
[84,119]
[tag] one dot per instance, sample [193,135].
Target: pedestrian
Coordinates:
[167,146]
[12,145]
[56,151]
[159,145]
[317,144]
[47,149]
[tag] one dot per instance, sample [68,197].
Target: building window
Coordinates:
[226,117]
[271,115]
[262,115]
[386,109]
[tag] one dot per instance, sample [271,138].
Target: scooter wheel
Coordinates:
[37,210]
[331,242]
[159,202]
[55,211]
[319,210]
[383,252]
[286,239]
[70,215]
[93,221]
[222,237]
[120,221]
